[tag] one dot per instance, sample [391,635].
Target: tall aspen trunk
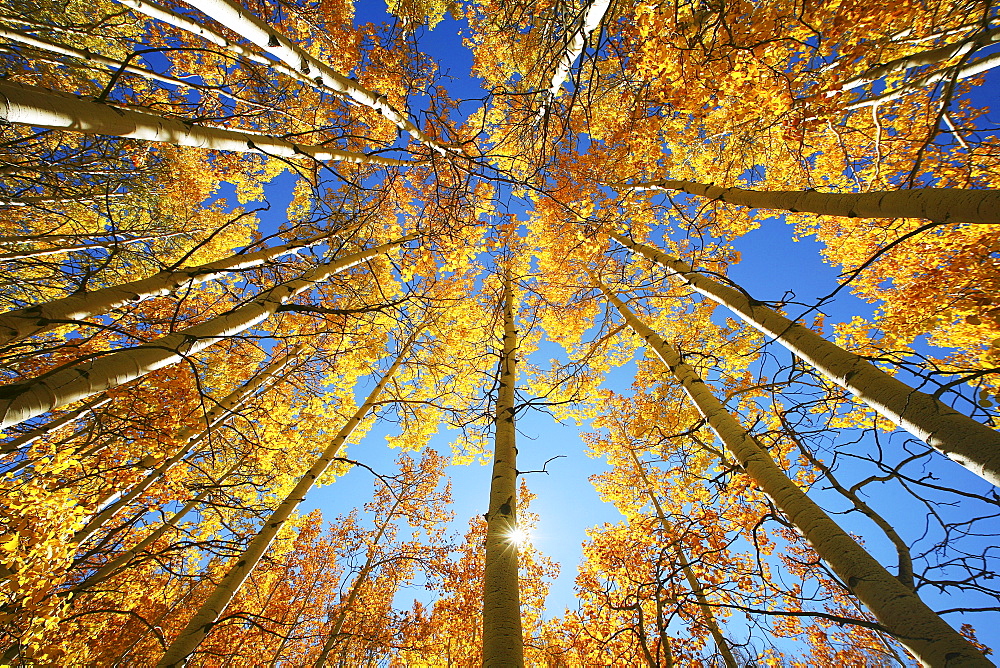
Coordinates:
[933,56]
[964,72]
[941,205]
[970,443]
[104,245]
[23,401]
[42,108]
[243,23]
[21,323]
[89,56]
[592,18]
[213,607]
[41,200]
[170,17]
[188,438]
[502,639]
[24,440]
[900,611]
[689,575]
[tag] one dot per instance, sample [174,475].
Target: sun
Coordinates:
[519,537]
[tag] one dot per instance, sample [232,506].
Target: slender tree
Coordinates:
[898,608]
[502,641]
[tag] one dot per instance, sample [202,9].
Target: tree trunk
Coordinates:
[42,108]
[24,440]
[169,17]
[933,56]
[23,401]
[689,575]
[592,18]
[242,22]
[941,205]
[105,245]
[965,72]
[19,324]
[959,437]
[502,640]
[213,607]
[901,612]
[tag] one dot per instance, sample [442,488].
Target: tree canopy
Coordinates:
[240,238]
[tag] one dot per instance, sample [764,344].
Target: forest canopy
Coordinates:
[248,248]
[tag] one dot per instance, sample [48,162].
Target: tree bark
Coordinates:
[903,614]
[941,205]
[972,444]
[933,56]
[964,72]
[169,17]
[23,401]
[245,24]
[213,607]
[24,440]
[502,639]
[21,323]
[592,18]
[105,245]
[42,108]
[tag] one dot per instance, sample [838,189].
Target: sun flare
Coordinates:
[519,537]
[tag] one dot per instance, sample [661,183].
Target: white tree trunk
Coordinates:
[503,645]
[245,24]
[23,401]
[933,56]
[965,72]
[592,18]
[942,205]
[16,325]
[928,637]
[972,444]
[42,108]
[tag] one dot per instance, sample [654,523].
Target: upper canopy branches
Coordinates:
[169,400]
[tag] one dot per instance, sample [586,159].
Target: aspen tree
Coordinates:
[900,611]
[699,592]
[38,107]
[266,37]
[502,640]
[189,438]
[24,440]
[941,205]
[965,72]
[931,56]
[970,443]
[111,63]
[18,324]
[213,607]
[592,17]
[104,245]
[23,401]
